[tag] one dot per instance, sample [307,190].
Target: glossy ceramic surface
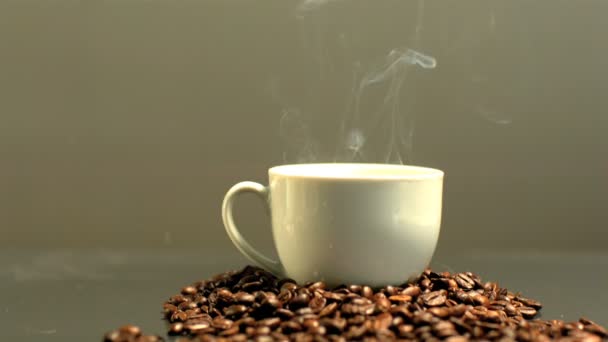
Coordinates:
[375,224]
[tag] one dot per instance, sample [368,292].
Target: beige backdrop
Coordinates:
[122,123]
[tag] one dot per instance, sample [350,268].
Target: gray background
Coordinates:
[123,123]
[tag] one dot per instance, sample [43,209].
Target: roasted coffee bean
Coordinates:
[412,291]
[187,306]
[221,323]
[383,304]
[176,328]
[169,309]
[271,322]
[319,330]
[479,299]
[435,298]
[317,286]
[244,297]
[299,301]
[179,316]
[130,329]
[235,310]
[356,320]
[252,286]
[285,314]
[436,306]
[353,309]
[188,290]
[529,302]
[367,292]
[277,336]
[112,336]
[262,330]
[527,312]
[405,330]
[230,331]
[440,312]
[359,301]
[333,296]
[400,298]
[383,321]
[317,303]
[333,325]
[464,281]
[130,333]
[304,311]
[198,327]
[290,327]
[355,332]
[328,310]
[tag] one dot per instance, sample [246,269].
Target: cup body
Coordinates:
[374,224]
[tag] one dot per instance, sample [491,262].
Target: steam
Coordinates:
[307,6]
[369,97]
[394,127]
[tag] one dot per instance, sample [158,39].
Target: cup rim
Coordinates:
[397,172]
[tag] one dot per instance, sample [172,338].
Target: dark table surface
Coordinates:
[76,295]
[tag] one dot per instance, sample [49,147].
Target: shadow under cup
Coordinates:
[372,224]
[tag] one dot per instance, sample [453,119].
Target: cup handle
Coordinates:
[237,239]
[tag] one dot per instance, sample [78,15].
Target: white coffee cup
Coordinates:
[372,224]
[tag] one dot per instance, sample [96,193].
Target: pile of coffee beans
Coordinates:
[252,304]
[130,333]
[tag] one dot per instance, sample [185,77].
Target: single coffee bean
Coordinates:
[367,292]
[252,286]
[413,291]
[235,310]
[529,302]
[278,337]
[221,323]
[360,301]
[230,331]
[355,332]
[310,323]
[333,296]
[356,320]
[319,330]
[333,325]
[262,330]
[244,297]
[435,298]
[304,311]
[271,322]
[198,327]
[383,321]
[383,304]
[317,303]
[189,290]
[440,312]
[176,328]
[317,286]
[285,313]
[299,301]
[400,298]
[328,310]
[290,327]
[187,306]
[130,329]
[527,312]
[112,336]
[178,316]
[464,281]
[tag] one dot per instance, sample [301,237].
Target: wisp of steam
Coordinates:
[376,122]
